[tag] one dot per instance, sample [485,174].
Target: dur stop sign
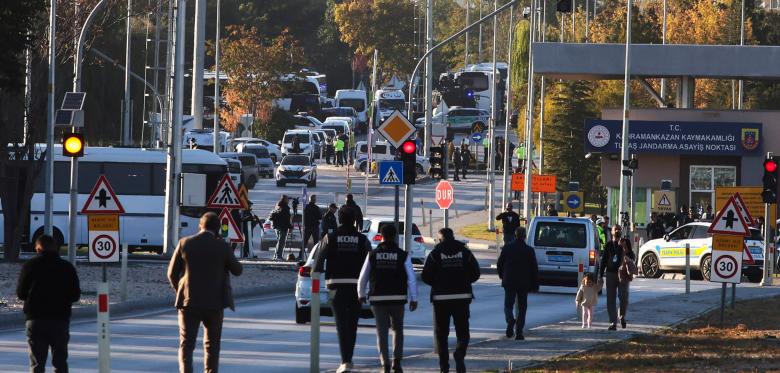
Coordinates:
[445,195]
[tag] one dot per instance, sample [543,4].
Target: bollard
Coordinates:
[422,210]
[456,213]
[103,332]
[580,273]
[123,273]
[687,268]
[430,220]
[314,356]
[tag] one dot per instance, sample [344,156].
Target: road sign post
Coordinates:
[314,356]
[687,268]
[445,195]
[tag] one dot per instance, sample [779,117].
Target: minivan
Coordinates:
[561,245]
[356,99]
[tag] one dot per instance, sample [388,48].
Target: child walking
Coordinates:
[587,298]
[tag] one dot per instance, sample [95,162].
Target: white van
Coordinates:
[356,99]
[305,139]
[389,100]
[383,151]
[561,245]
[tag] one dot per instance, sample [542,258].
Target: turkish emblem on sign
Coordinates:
[102,199]
[750,138]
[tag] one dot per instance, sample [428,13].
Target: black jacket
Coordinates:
[311,215]
[655,230]
[509,221]
[358,214]
[450,269]
[345,250]
[283,220]
[48,285]
[517,267]
[328,223]
[612,257]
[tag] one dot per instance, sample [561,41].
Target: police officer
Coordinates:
[388,270]
[345,250]
[329,223]
[450,269]
[510,220]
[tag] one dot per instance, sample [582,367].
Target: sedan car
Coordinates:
[372,227]
[668,254]
[460,119]
[296,169]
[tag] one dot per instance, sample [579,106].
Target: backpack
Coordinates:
[274,217]
[627,270]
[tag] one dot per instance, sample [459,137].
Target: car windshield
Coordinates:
[296,160]
[303,138]
[392,104]
[755,235]
[234,167]
[334,128]
[355,103]
[415,230]
[258,151]
[247,160]
[559,234]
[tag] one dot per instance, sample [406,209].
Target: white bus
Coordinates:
[137,176]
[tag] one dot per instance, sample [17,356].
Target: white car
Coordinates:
[296,169]
[273,149]
[383,151]
[668,254]
[305,141]
[372,227]
[303,292]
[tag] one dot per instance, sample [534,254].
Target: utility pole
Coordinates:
[479,42]
[49,179]
[507,156]
[663,41]
[217,99]
[529,123]
[741,42]
[492,130]
[127,106]
[541,111]
[198,54]
[624,154]
[173,164]
[428,77]
[466,58]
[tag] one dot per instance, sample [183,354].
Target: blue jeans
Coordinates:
[281,235]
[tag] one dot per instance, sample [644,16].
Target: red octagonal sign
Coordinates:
[445,195]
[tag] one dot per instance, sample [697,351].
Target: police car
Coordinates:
[667,254]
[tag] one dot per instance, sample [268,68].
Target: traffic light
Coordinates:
[409,159]
[73,145]
[769,193]
[437,162]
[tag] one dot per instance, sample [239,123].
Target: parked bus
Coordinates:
[138,178]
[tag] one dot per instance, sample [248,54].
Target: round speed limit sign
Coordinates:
[726,266]
[103,246]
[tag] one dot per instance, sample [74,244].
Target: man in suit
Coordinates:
[198,272]
[519,275]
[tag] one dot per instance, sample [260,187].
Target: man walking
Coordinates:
[48,285]
[611,259]
[465,158]
[519,275]
[345,250]
[509,223]
[388,271]
[450,269]
[456,162]
[311,224]
[357,212]
[282,222]
[198,272]
[328,149]
[329,223]
[338,145]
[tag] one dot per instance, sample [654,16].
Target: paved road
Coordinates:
[262,336]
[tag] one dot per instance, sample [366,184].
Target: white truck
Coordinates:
[388,101]
[356,99]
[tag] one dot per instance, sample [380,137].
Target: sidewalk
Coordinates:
[457,222]
[550,341]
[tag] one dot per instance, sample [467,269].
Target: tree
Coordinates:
[255,66]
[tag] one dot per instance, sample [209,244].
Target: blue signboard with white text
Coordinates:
[674,137]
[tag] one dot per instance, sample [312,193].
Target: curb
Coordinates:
[120,309]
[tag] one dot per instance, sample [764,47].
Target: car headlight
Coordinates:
[281,169]
[305,170]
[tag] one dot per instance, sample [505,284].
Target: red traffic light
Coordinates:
[409,147]
[770,165]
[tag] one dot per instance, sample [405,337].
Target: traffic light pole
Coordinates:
[408,217]
[766,280]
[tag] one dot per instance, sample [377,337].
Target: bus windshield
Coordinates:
[392,104]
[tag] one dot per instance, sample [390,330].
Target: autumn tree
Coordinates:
[255,67]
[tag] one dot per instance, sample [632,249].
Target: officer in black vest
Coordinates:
[388,270]
[450,269]
[345,250]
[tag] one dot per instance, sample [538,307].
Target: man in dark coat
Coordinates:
[519,274]
[358,213]
[456,162]
[48,285]
[329,222]
[656,228]
[465,158]
[510,220]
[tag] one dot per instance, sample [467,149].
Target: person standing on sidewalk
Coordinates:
[450,269]
[338,145]
[199,273]
[329,223]
[311,224]
[509,223]
[456,162]
[519,274]
[48,285]
[328,149]
[465,158]
[388,279]
[357,212]
[345,250]
[282,221]
[611,259]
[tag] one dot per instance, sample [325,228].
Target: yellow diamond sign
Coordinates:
[396,128]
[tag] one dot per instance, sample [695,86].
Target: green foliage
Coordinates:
[520,55]
[280,122]
[16,18]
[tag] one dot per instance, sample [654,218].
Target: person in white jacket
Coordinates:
[587,298]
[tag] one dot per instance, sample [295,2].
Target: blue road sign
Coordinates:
[391,172]
[477,136]
[573,201]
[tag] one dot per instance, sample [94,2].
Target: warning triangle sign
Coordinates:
[664,201]
[225,195]
[391,176]
[729,220]
[102,199]
[228,228]
[747,257]
[243,195]
[743,209]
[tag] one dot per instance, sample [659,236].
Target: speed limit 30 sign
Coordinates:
[103,238]
[726,266]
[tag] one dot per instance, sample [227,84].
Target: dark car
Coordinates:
[265,165]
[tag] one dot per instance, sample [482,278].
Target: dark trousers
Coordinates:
[339,158]
[465,167]
[389,316]
[346,311]
[509,236]
[189,323]
[616,289]
[43,334]
[510,296]
[314,233]
[458,310]
[457,173]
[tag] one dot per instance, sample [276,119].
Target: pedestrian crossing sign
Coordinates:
[225,195]
[391,173]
